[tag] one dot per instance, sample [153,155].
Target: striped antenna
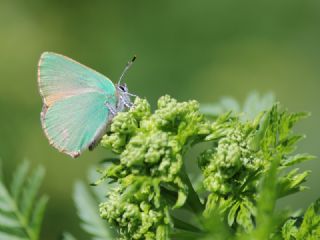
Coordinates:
[129,64]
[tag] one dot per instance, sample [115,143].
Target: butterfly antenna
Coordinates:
[129,64]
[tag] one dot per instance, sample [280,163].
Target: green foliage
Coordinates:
[151,184]
[21,212]
[150,167]
[266,221]
[308,229]
[241,154]
[88,212]
[145,193]
[253,105]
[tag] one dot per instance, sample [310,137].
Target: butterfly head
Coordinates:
[122,88]
[124,100]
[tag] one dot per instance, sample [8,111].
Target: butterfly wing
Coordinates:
[74,112]
[60,77]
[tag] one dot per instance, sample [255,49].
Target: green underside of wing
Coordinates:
[63,77]
[75,96]
[72,124]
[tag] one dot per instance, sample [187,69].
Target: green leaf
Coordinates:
[68,236]
[21,216]
[291,182]
[232,213]
[19,177]
[30,191]
[244,218]
[256,103]
[38,214]
[289,230]
[226,104]
[266,219]
[8,236]
[88,211]
[297,159]
[310,227]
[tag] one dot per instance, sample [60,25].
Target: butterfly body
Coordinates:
[78,103]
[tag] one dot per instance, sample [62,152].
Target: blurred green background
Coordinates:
[189,49]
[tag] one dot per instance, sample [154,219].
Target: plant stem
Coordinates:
[193,200]
[178,223]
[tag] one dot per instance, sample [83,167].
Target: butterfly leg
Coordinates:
[131,94]
[112,109]
[128,104]
[126,101]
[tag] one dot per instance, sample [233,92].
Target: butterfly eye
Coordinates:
[123,87]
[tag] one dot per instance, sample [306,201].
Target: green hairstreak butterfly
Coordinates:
[78,102]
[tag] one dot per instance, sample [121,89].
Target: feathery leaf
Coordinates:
[88,212]
[21,216]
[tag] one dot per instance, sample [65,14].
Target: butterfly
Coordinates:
[78,102]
